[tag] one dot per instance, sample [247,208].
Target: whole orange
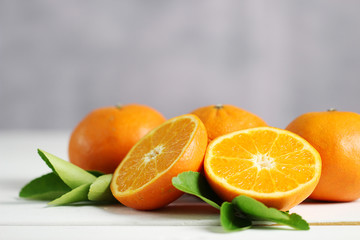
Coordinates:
[103,138]
[336,136]
[222,119]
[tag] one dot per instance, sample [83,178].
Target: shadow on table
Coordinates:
[319,202]
[185,211]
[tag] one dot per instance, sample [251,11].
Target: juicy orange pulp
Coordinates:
[274,166]
[143,179]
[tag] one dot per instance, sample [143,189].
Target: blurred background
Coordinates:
[278,59]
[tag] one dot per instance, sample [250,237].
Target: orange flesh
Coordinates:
[263,161]
[146,162]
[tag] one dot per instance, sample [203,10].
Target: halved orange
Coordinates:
[143,178]
[274,166]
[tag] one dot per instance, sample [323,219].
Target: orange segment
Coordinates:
[274,166]
[228,169]
[263,140]
[284,145]
[143,179]
[236,150]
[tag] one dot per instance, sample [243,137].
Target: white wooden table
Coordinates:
[187,218]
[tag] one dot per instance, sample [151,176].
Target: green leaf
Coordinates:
[298,222]
[100,189]
[72,175]
[95,173]
[46,187]
[67,183]
[194,183]
[78,194]
[231,219]
[258,211]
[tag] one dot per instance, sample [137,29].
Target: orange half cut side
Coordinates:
[143,179]
[274,166]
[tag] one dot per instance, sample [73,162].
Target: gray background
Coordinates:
[278,59]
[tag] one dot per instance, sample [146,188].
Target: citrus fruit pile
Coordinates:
[316,156]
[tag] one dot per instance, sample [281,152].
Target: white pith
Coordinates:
[153,153]
[263,161]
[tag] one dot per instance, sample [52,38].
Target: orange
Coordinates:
[143,179]
[222,119]
[103,138]
[336,135]
[274,166]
